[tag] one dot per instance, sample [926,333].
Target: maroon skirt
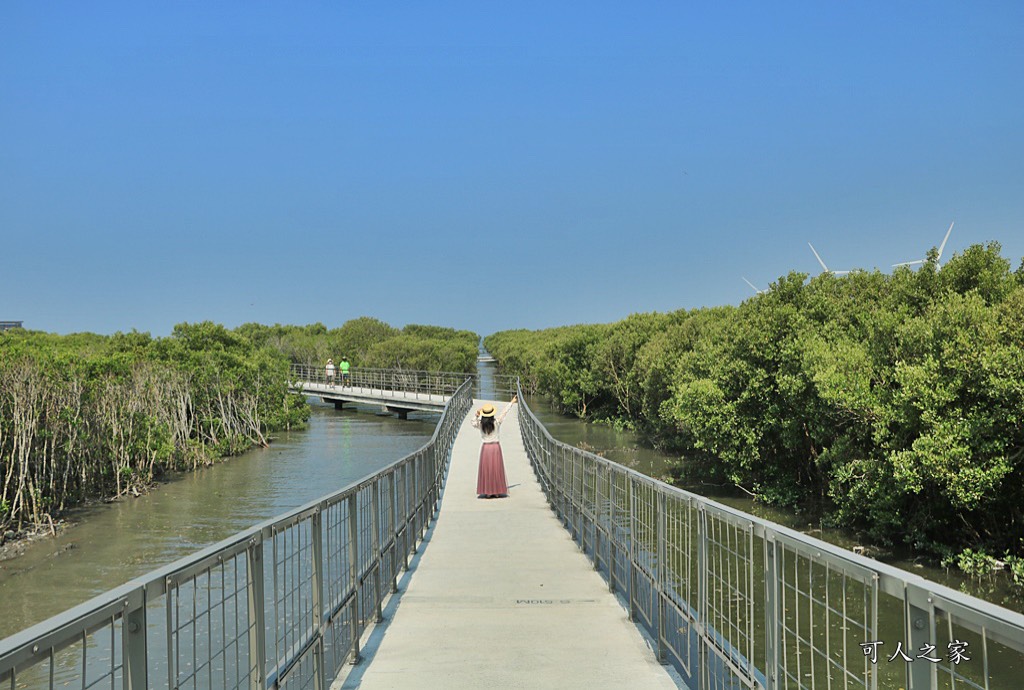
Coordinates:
[490,478]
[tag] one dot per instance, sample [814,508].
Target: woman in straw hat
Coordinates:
[490,478]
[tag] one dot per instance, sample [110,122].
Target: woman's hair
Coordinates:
[487,424]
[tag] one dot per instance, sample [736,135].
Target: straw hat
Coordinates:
[487,410]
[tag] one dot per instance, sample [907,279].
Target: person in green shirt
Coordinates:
[344,371]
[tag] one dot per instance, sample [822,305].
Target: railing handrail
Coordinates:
[1000,624]
[68,627]
[407,381]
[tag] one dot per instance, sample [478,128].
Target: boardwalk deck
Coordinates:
[502,597]
[397,399]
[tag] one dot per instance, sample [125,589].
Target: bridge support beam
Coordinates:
[403,413]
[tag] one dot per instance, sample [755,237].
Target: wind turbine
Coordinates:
[937,258]
[753,287]
[827,269]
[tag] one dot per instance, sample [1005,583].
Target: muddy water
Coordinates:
[110,544]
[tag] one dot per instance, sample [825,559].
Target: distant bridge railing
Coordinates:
[409,382]
[734,601]
[279,605]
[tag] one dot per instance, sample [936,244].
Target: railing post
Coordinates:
[919,622]
[598,471]
[702,591]
[375,536]
[406,549]
[133,646]
[563,501]
[257,614]
[662,536]
[611,532]
[771,612]
[632,549]
[353,557]
[319,669]
[414,507]
[574,509]
[394,529]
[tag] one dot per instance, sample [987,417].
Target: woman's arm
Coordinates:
[504,412]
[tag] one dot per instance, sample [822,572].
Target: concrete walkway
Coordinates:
[501,597]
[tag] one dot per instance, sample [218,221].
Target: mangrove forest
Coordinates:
[888,404]
[88,416]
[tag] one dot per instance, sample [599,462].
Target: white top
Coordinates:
[493,436]
[485,437]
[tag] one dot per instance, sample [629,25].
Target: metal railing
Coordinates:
[280,605]
[734,601]
[414,384]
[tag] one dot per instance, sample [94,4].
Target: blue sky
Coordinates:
[488,165]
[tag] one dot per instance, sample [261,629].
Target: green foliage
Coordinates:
[85,415]
[368,342]
[976,563]
[890,404]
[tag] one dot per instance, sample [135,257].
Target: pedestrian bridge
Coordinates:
[587,575]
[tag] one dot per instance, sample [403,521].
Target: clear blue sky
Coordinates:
[487,165]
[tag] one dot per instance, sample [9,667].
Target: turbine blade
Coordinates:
[817,257]
[752,286]
[944,239]
[909,263]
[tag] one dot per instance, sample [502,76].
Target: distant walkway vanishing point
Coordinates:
[502,597]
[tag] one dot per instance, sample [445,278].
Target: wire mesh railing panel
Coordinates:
[728,589]
[281,604]
[735,601]
[603,518]
[680,579]
[963,654]
[486,385]
[294,619]
[620,529]
[826,610]
[93,659]
[338,566]
[209,625]
[302,674]
[644,542]
[364,502]
[338,641]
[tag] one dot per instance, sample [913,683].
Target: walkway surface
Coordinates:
[502,597]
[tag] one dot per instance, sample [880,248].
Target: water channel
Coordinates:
[109,544]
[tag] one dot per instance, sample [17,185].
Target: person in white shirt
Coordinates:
[490,479]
